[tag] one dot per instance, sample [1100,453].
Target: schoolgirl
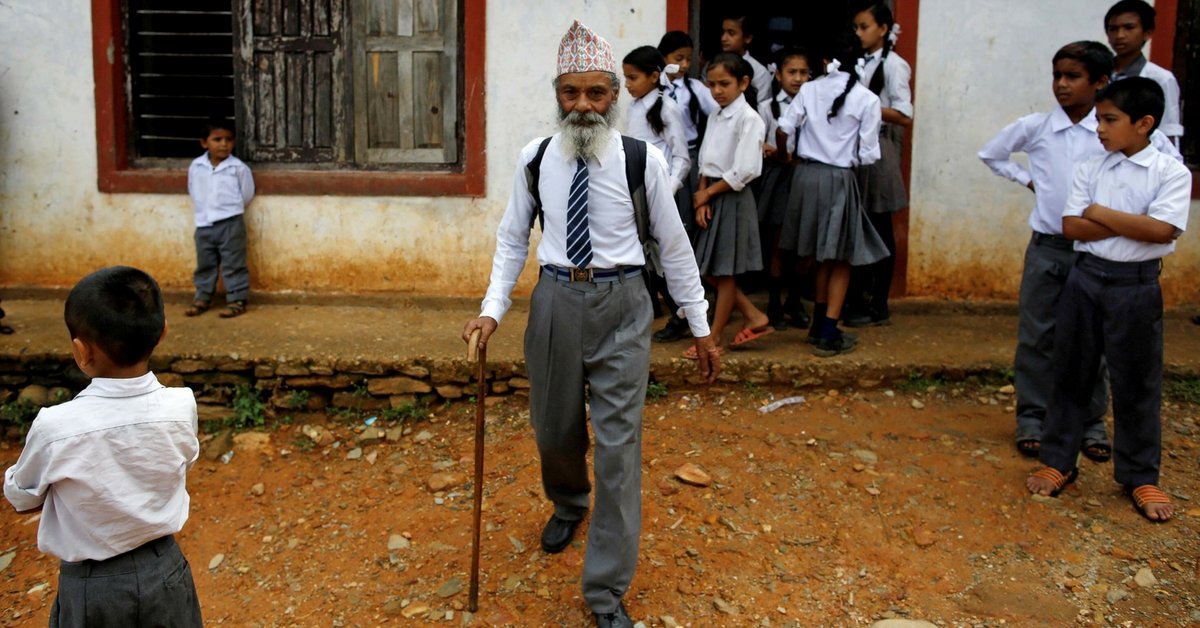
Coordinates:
[695,101]
[730,159]
[658,120]
[887,75]
[792,68]
[834,121]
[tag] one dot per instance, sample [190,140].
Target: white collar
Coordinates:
[121,387]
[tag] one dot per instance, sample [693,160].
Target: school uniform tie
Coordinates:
[579,237]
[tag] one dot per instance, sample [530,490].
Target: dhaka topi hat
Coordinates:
[582,50]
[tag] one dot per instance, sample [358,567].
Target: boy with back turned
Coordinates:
[109,468]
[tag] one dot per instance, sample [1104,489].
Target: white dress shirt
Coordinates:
[851,138]
[671,141]
[610,219]
[896,93]
[219,192]
[109,468]
[768,116]
[1171,124]
[1149,183]
[678,91]
[761,79]
[732,148]
[1054,146]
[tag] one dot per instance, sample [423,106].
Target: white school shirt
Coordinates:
[896,93]
[1171,124]
[219,192]
[1054,146]
[109,468]
[761,80]
[671,141]
[732,148]
[678,91]
[768,116]
[851,138]
[610,219]
[1150,183]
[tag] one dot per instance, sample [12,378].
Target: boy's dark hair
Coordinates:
[744,20]
[217,124]
[120,310]
[1144,11]
[1137,97]
[1096,58]
[738,68]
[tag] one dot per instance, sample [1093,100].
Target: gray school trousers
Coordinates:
[222,245]
[1111,310]
[150,585]
[1048,261]
[593,336]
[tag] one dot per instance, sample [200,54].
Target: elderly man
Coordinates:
[588,339]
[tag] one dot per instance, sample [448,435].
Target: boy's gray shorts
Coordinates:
[147,586]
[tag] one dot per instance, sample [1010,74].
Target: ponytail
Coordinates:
[883,17]
[844,54]
[751,96]
[654,114]
[693,103]
[841,99]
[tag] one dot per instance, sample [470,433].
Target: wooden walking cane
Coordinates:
[477,354]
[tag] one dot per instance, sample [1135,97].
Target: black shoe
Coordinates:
[872,319]
[557,534]
[676,329]
[829,347]
[616,619]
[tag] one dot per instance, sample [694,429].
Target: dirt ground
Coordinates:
[849,508]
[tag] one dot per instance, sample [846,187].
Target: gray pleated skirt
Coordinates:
[881,184]
[772,193]
[730,245]
[825,218]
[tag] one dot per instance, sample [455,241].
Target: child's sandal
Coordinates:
[233,310]
[1147,494]
[1060,481]
[197,308]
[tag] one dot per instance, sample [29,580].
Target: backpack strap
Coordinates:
[533,175]
[635,177]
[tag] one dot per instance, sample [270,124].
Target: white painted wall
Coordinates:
[55,226]
[978,70]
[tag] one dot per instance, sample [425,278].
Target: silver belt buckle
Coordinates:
[581,274]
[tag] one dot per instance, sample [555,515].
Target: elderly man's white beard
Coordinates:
[585,135]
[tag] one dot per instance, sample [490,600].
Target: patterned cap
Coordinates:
[582,50]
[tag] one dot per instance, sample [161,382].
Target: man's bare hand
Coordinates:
[710,358]
[485,324]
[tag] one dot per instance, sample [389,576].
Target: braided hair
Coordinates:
[845,52]
[649,61]
[883,17]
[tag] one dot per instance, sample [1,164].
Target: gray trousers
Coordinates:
[593,335]
[1048,261]
[147,586]
[222,245]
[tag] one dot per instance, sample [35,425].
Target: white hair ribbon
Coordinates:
[894,33]
[861,65]
[833,66]
[664,77]
[772,68]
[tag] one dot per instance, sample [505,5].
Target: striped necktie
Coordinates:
[579,237]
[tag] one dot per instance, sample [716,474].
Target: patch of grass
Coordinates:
[1183,390]
[656,391]
[411,411]
[361,390]
[18,413]
[248,408]
[297,398]
[303,443]
[917,382]
[750,387]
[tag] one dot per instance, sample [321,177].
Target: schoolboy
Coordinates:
[109,468]
[1125,211]
[1129,24]
[221,187]
[1054,142]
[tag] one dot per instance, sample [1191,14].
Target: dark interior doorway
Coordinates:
[809,24]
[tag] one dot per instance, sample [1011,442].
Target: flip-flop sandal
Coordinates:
[197,308]
[1145,495]
[233,310]
[747,334]
[1060,481]
[1097,450]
